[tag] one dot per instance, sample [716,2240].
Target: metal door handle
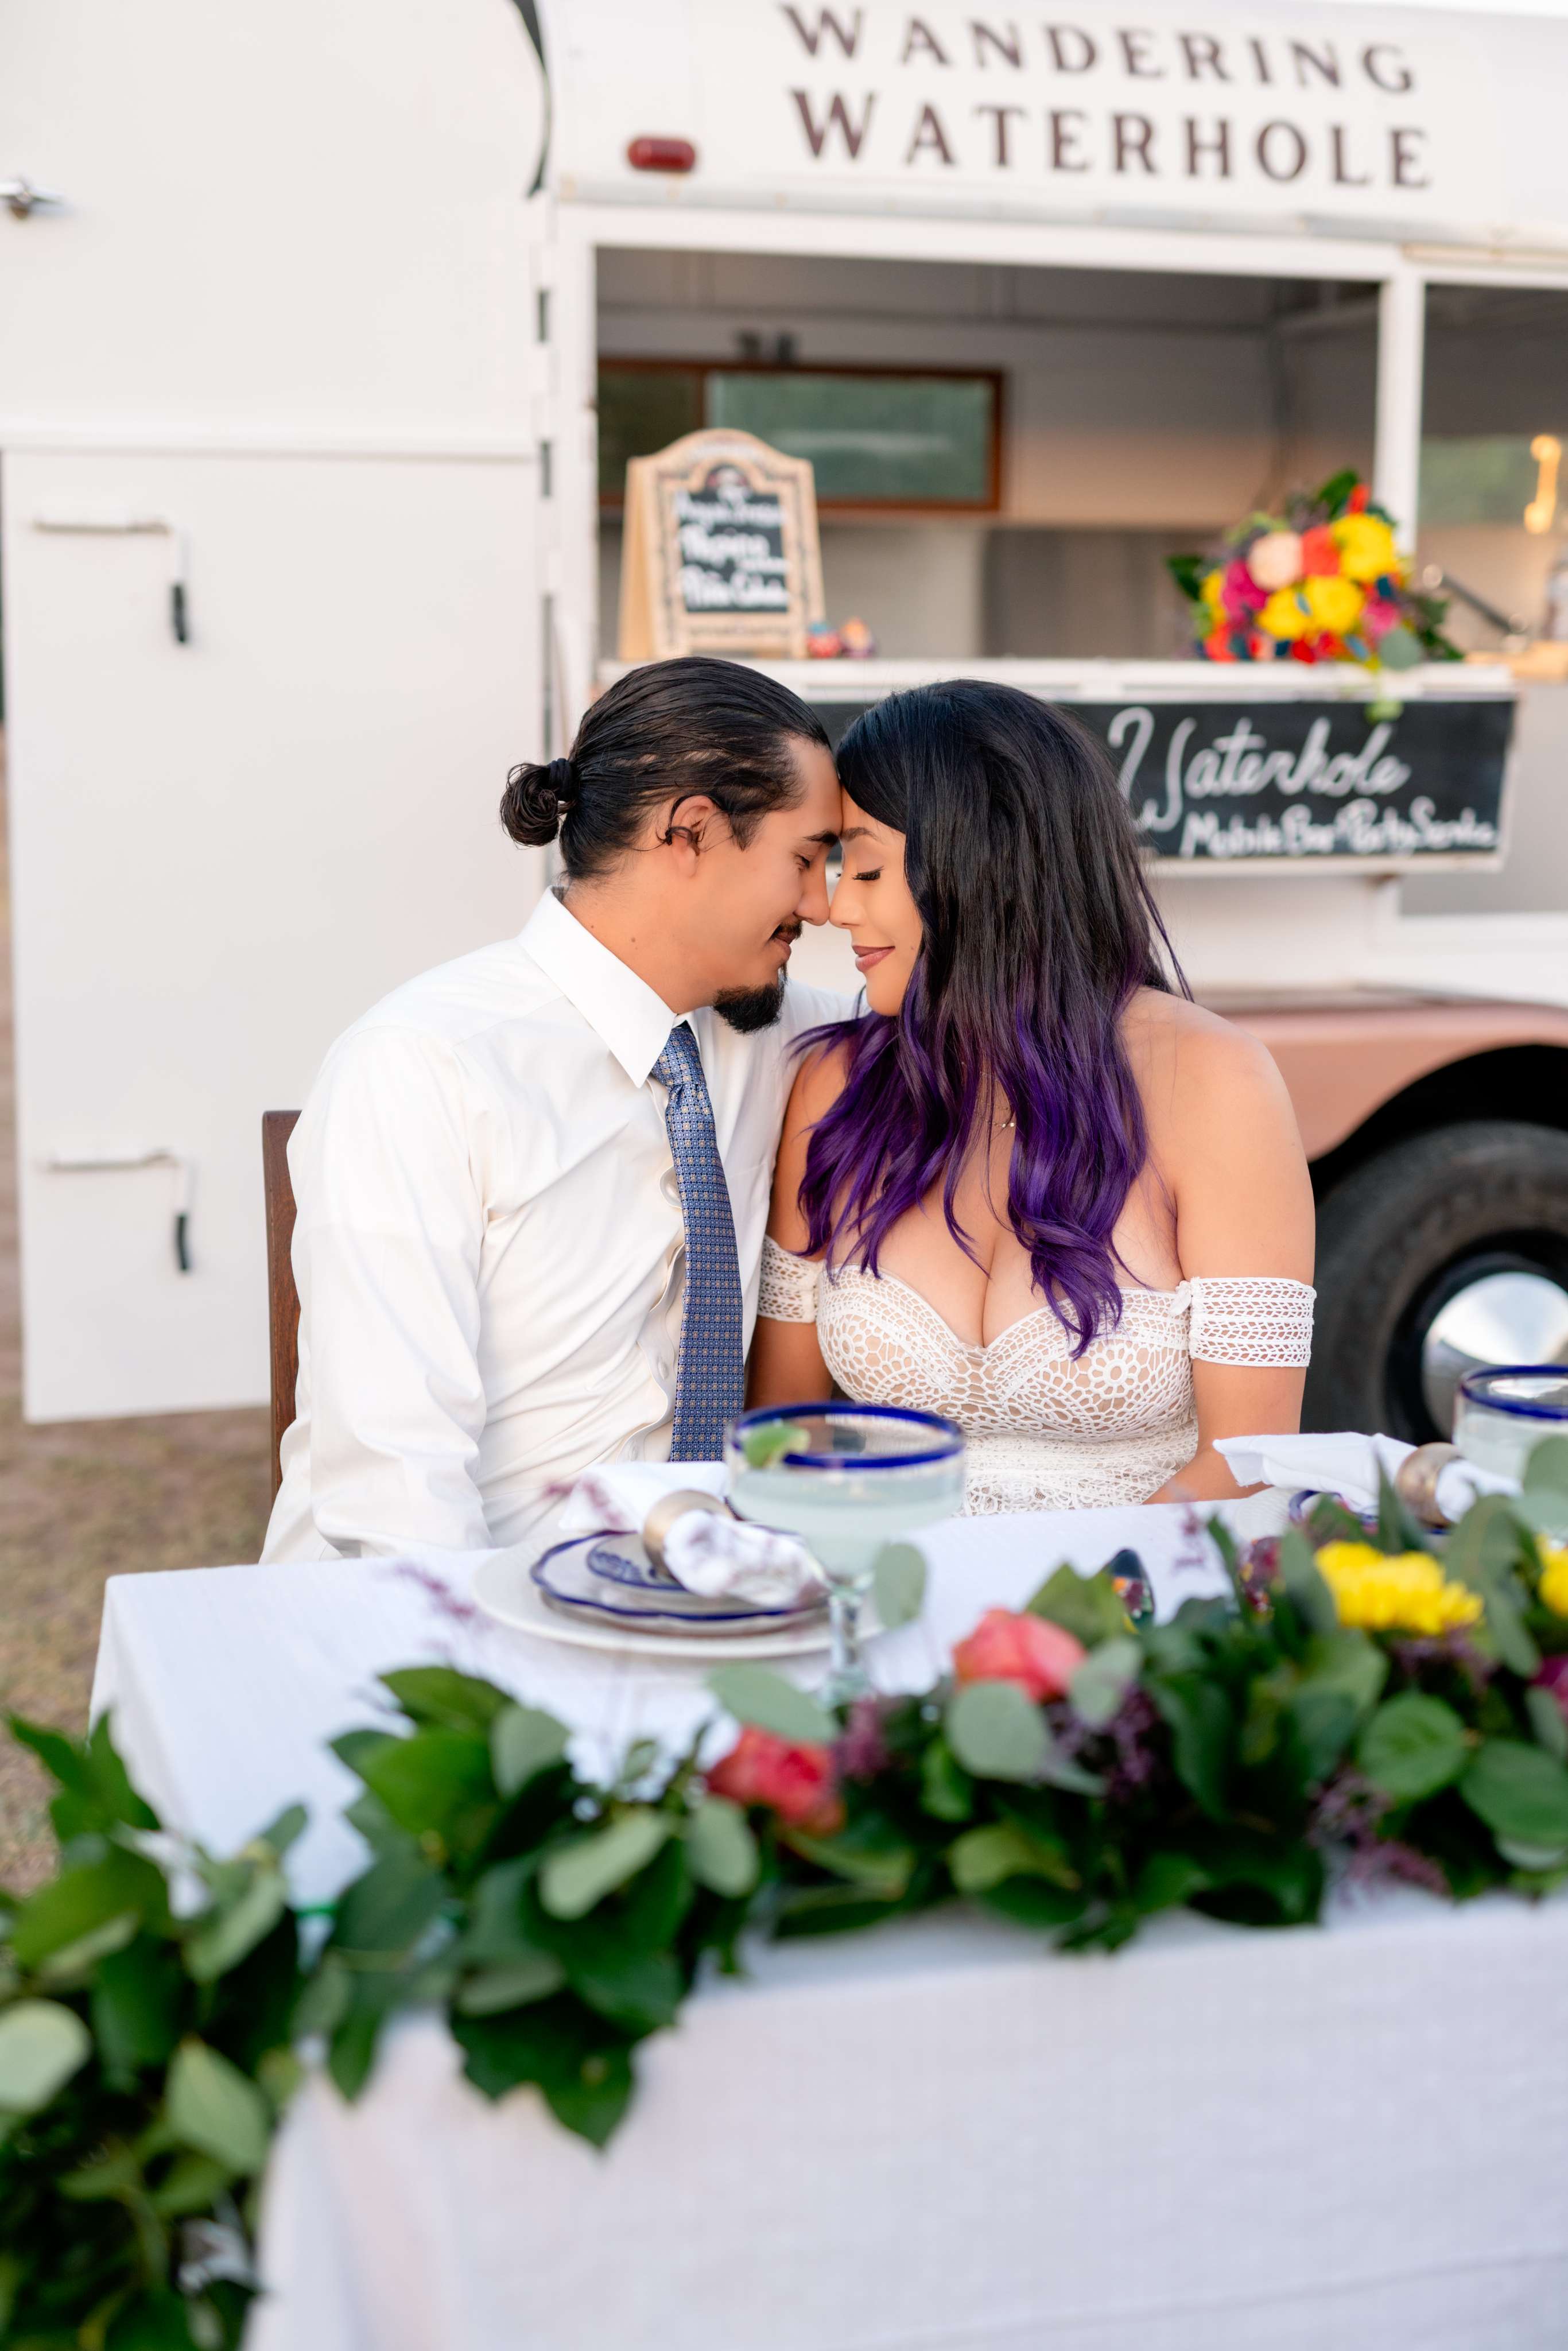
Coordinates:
[22,197]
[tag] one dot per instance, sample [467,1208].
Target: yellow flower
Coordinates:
[1365,545]
[1334,603]
[1284,615]
[1213,590]
[1405,1594]
[1554,1575]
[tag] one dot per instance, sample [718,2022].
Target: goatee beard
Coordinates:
[748,1009]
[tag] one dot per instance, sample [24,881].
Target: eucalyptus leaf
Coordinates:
[882,1867]
[74,1961]
[1547,1466]
[1399,648]
[756,1694]
[1412,1746]
[721,1851]
[524,1742]
[491,1990]
[1519,1791]
[42,2045]
[996,1731]
[213,2107]
[1543,1510]
[898,1583]
[1538,1859]
[1546,1721]
[576,1877]
[1102,1680]
[221,1942]
[285,1830]
[985,1857]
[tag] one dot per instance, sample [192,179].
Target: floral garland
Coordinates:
[1323,582]
[1365,1704]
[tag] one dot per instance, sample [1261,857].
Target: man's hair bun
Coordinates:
[535,799]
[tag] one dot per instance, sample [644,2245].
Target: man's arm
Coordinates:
[386,1163]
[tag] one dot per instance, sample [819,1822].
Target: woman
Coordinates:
[1035,1187]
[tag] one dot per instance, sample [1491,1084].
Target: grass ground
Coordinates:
[82,1500]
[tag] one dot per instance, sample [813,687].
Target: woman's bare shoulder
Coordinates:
[1182,1051]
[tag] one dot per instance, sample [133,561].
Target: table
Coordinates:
[937,2137]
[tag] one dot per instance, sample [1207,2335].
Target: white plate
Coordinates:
[505,1590]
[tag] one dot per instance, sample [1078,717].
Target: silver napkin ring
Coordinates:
[1415,1482]
[657,1526]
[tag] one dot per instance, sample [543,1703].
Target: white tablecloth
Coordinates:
[937,2137]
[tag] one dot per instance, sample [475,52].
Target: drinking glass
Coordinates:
[852,1478]
[1502,1416]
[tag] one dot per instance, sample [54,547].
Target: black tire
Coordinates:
[1400,1236]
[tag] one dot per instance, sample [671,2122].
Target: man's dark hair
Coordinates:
[661,733]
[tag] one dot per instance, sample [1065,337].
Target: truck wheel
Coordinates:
[1442,1253]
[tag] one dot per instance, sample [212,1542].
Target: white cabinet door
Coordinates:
[224,850]
[286,314]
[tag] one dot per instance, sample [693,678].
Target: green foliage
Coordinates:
[144,2057]
[147,2049]
[1412,1746]
[1087,1606]
[756,1694]
[898,1584]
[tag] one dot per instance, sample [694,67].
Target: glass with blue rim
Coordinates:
[847,1479]
[1502,1415]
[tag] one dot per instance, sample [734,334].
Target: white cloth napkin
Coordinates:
[1346,1463]
[717,1559]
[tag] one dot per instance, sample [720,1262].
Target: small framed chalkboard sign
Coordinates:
[721,553]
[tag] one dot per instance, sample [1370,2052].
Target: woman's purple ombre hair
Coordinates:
[1038,927]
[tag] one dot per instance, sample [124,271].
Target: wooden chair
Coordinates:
[282,1298]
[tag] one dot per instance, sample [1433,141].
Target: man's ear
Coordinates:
[686,829]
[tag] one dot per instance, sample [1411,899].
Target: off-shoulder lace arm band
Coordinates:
[788,1291]
[1251,1319]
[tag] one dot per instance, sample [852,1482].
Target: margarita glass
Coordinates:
[1502,1416]
[847,1479]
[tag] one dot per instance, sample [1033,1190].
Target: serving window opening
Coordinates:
[1004,456]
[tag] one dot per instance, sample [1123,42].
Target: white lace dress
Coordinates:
[1044,1433]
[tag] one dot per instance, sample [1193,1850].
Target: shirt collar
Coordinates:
[621,1008]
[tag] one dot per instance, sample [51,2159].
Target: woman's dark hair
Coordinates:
[1021,856]
[658,734]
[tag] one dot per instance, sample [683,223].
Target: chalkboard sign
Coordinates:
[721,552]
[1243,783]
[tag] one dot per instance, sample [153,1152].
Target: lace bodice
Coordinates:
[1044,1431]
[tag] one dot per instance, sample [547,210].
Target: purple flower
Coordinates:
[1553,1676]
[860,1752]
[1347,1821]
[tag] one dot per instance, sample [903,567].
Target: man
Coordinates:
[532,1185]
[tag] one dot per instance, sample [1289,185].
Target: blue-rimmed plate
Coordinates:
[505,1590]
[574,1576]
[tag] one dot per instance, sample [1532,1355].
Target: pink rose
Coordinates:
[1377,617]
[1240,592]
[1041,1657]
[798,1782]
[1275,560]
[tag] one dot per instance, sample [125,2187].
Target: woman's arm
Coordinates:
[1233,1160]
[786,1364]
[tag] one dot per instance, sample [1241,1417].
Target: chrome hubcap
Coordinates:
[1499,1318]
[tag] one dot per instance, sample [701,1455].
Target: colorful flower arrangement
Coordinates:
[1359,1708]
[1324,582]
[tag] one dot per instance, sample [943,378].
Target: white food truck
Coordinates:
[325,334]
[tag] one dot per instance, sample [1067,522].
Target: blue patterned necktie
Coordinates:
[710,1371]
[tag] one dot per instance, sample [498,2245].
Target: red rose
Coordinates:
[798,1783]
[1319,553]
[1041,1657]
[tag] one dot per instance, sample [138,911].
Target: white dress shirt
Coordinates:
[488,1248]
